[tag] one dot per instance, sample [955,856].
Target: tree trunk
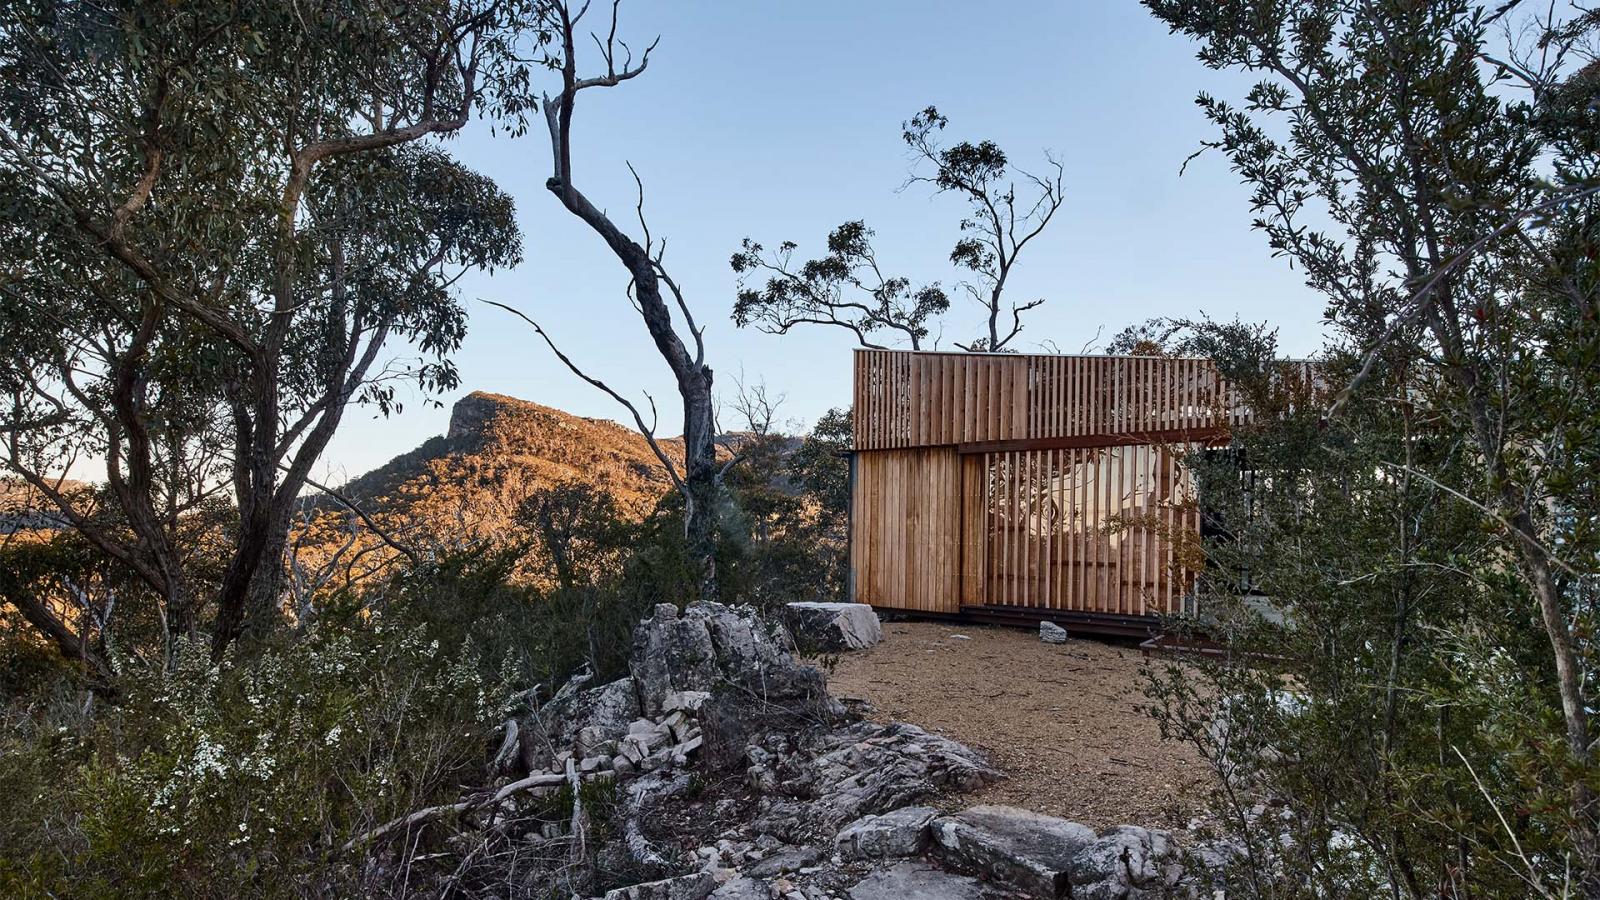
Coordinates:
[693,376]
[700,483]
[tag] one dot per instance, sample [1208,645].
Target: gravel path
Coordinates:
[1062,721]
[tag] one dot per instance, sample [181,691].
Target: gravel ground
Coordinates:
[1062,721]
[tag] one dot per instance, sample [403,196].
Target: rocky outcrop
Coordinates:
[834,627]
[731,654]
[601,714]
[720,740]
[1046,857]
[917,881]
[813,786]
[1126,863]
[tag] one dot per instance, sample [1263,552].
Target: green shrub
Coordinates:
[245,781]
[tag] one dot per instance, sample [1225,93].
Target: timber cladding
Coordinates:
[906,528]
[918,399]
[1029,482]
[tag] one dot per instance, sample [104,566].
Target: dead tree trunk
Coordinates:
[693,377]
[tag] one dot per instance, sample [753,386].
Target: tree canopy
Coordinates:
[1429,527]
[219,221]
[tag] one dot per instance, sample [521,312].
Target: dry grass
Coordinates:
[1062,721]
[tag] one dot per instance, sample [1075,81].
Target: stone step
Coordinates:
[1031,852]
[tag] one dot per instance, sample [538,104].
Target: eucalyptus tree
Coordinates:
[219,223]
[652,289]
[1439,190]
[847,287]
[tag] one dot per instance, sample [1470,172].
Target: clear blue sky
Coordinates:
[781,120]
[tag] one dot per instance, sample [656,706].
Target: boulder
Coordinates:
[901,832]
[713,648]
[1031,852]
[686,701]
[601,713]
[684,887]
[916,881]
[1051,633]
[831,627]
[1126,863]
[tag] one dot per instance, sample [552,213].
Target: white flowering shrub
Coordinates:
[248,779]
[245,780]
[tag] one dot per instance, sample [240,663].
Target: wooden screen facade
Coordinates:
[1040,484]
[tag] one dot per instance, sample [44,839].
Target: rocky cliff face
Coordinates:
[24,510]
[466,485]
[498,449]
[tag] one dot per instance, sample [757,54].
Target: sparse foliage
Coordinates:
[847,287]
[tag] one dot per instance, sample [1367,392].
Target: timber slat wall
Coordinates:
[905,528]
[1029,482]
[919,399]
[1082,529]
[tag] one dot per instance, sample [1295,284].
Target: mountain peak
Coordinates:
[498,449]
[471,415]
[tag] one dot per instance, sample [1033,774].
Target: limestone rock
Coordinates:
[697,886]
[861,769]
[601,714]
[901,832]
[916,881]
[785,861]
[1026,850]
[1125,863]
[1051,633]
[688,701]
[723,651]
[832,627]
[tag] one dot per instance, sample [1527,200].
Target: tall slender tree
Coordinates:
[653,290]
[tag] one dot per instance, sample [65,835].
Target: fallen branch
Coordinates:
[433,812]
[578,853]
[508,749]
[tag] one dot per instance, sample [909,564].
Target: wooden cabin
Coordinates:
[1027,487]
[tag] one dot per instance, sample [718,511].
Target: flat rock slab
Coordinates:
[1031,852]
[785,861]
[834,626]
[902,832]
[916,881]
[741,888]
